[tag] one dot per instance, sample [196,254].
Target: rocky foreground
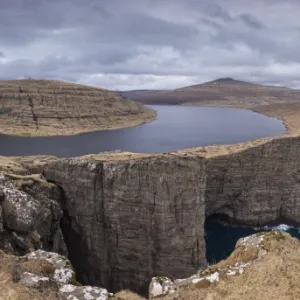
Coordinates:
[262,266]
[47,107]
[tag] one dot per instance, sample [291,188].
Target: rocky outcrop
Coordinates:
[29,215]
[248,273]
[129,220]
[43,275]
[257,185]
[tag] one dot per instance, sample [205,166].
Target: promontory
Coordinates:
[48,107]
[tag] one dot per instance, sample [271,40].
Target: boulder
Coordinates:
[29,215]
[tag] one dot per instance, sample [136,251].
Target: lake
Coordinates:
[176,127]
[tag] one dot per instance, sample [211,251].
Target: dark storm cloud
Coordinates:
[150,43]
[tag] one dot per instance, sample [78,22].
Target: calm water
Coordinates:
[176,127]
[221,238]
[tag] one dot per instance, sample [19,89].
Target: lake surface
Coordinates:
[176,127]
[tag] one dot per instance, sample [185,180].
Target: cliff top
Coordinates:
[48,107]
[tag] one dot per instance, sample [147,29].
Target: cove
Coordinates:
[176,127]
[221,237]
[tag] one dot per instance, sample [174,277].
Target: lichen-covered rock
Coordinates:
[44,275]
[29,215]
[34,281]
[160,286]
[63,270]
[20,210]
[71,292]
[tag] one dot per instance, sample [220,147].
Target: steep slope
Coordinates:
[223,91]
[45,107]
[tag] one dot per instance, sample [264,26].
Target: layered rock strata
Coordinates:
[128,220]
[257,185]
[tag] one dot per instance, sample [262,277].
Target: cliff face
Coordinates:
[129,220]
[257,185]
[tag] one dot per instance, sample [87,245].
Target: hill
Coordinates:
[46,107]
[222,91]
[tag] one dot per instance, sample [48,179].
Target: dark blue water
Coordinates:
[221,238]
[176,127]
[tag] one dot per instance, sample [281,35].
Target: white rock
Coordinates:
[231,273]
[160,286]
[71,292]
[213,277]
[33,281]
[63,275]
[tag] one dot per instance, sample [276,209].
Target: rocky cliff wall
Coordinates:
[126,221]
[257,185]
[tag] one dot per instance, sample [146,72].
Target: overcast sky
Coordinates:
[150,44]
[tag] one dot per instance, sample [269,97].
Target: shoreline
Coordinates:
[292,126]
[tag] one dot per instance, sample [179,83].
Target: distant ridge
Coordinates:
[221,91]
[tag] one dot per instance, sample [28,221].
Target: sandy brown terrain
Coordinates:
[45,107]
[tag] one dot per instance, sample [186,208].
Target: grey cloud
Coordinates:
[216,10]
[251,21]
[138,42]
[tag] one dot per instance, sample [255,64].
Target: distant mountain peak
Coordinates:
[224,79]
[227,80]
